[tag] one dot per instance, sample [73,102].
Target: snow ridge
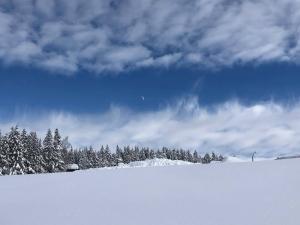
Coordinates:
[154,163]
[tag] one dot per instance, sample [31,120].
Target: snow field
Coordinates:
[260,193]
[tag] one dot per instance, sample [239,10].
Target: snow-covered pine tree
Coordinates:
[76,155]
[66,149]
[16,159]
[26,146]
[92,157]
[159,154]
[84,162]
[147,153]
[142,154]
[174,155]
[181,155]
[152,154]
[206,158]
[214,157]
[177,154]
[47,149]
[114,160]
[51,154]
[136,154]
[195,157]
[164,152]
[35,156]
[119,155]
[57,154]
[127,155]
[3,155]
[70,157]
[107,156]
[189,156]
[101,157]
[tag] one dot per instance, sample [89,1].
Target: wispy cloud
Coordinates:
[230,128]
[110,35]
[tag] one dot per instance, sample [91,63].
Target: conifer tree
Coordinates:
[67,151]
[114,161]
[119,155]
[92,157]
[127,156]
[214,157]
[57,154]
[152,154]
[25,146]
[57,143]
[70,157]
[195,157]
[35,156]
[4,165]
[51,155]
[147,153]
[15,153]
[206,158]
[101,157]
[142,155]
[84,162]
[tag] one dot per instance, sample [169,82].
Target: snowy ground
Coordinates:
[245,159]
[260,193]
[154,163]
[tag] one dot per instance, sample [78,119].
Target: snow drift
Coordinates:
[153,163]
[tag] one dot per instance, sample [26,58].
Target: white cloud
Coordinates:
[24,52]
[110,35]
[231,128]
[164,61]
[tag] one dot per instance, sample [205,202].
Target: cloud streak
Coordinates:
[115,36]
[230,128]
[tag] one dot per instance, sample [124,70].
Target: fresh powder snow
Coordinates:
[259,193]
[152,163]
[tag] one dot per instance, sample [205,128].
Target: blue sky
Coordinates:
[211,75]
[87,92]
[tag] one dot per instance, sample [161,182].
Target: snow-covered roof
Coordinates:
[72,167]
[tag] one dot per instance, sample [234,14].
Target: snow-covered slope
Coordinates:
[154,162]
[234,159]
[260,193]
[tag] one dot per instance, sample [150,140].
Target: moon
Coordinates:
[143,98]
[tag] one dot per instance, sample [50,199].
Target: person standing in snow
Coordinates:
[253,156]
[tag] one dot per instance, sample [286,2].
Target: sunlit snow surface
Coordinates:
[154,162]
[234,159]
[259,193]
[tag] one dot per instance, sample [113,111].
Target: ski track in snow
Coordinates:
[259,193]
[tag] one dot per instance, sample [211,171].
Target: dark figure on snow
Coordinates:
[253,156]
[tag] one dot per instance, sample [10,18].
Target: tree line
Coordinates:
[25,153]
